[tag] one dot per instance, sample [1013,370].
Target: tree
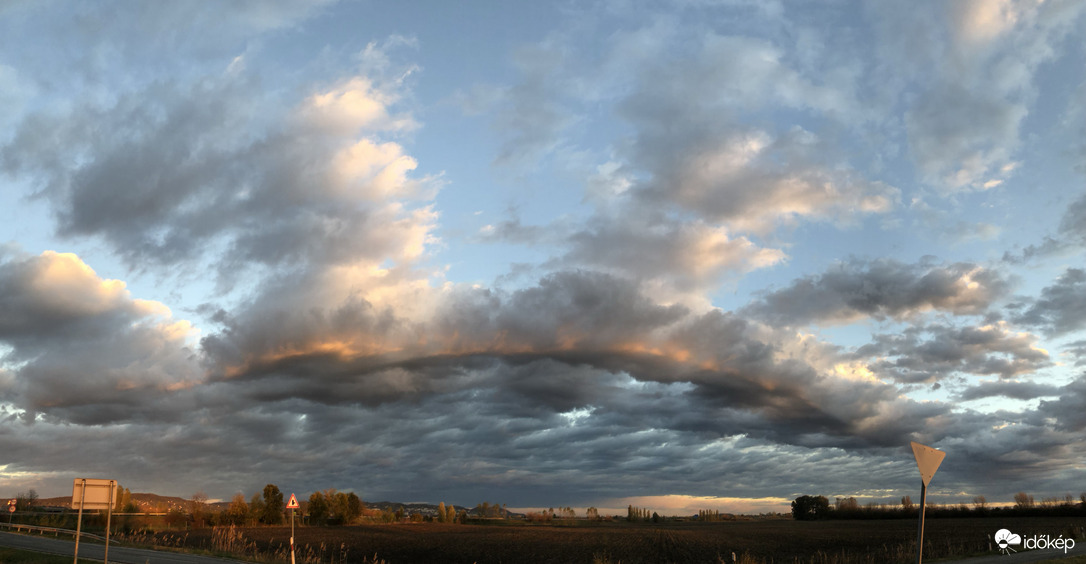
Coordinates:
[847,505]
[1022,500]
[175,517]
[256,508]
[441,512]
[273,505]
[317,509]
[199,506]
[354,509]
[907,504]
[25,500]
[124,501]
[238,511]
[809,508]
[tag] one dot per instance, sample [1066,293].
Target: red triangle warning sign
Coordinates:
[293,503]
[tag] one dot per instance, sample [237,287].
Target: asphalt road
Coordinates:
[120,555]
[1029,556]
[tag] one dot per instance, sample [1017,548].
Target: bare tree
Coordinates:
[198,509]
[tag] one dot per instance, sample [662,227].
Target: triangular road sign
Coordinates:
[293,503]
[927,460]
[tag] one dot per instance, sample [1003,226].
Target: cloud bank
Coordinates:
[720,292]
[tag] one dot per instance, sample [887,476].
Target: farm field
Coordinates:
[769,542]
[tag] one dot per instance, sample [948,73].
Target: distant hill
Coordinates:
[154,503]
[146,502]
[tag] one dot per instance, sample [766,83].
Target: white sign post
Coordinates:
[927,460]
[292,505]
[93,494]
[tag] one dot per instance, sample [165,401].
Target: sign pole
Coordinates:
[292,505]
[79,520]
[927,460]
[920,528]
[109,516]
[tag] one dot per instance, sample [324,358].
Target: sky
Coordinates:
[685,254]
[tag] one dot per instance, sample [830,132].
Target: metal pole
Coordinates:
[920,533]
[109,515]
[79,521]
[292,535]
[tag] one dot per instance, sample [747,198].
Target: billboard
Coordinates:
[100,494]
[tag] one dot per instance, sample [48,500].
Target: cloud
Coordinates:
[1061,309]
[959,137]
[882,289]
[336,354]
[1009,389]
[692,149]
[753,181]
[692,105]
[934,352]
[752,379]
[174,170]
[691,256]
[674,260]
[1069,410]
[1077,350]
[531,117]
[122,357]
[966,83]
[1070,236]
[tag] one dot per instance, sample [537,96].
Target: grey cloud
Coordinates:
[1061,309]
[1009,389]
[959,74]
[171,171]
[1077,350]
[1073,223]
[486,443]
[631,240]
[882,289]
[690,256]
[960,137]
[691,102]
[1070,409]
[543,340]
[931,353]
[1070,236]
[746,178]
[121,358]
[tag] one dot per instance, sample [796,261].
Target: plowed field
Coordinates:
[776,542]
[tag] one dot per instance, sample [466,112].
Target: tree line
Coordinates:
[810,508]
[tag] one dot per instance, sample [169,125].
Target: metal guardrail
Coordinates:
[32,528]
